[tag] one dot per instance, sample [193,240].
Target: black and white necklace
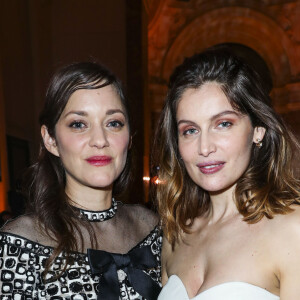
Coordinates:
[100,216]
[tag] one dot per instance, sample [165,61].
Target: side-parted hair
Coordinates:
[267,187]
[44,183]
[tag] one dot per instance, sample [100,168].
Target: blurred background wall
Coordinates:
[265,32]
[37,37]
[141,42]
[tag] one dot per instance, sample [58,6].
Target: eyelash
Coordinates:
[191,131]
[228,124]
[188,131]
[114,123]
[80,124]
[76,123]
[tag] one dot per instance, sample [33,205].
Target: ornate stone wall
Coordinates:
[180,28]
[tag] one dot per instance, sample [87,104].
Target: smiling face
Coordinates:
[91,138]
[214,140]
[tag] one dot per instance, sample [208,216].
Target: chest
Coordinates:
[237,252]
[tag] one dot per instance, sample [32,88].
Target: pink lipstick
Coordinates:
[99,161]
[211,167]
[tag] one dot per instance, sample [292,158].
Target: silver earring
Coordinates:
[259,143]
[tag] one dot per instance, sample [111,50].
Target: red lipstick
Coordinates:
[99,161]
[211,167]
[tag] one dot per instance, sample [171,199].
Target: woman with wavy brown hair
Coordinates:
[77,241]
[228,199]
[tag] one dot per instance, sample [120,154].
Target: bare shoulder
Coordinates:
[283,234]
[139,214]
[286,243]
[289,222]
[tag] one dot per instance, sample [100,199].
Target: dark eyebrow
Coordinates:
[226,112]
[115,111]
[75,112]
[221,114]
[84,114]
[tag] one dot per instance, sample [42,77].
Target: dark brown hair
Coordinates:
[267,187]
[45,180]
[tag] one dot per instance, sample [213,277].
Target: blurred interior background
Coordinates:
[141,42]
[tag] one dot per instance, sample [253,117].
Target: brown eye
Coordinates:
[115,124]
[77,125]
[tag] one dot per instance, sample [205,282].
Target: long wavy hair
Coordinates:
[44,183]
[267,187]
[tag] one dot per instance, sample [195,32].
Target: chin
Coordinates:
[100,183]
[214,184]
[217,189]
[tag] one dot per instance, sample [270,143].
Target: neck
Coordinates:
[89,198]
[223,205]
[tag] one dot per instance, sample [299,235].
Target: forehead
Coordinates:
[206,100]
[106,97]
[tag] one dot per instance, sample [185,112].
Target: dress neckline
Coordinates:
[220,286]
[101,215]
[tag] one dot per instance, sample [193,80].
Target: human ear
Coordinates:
[259,133]
[49,141]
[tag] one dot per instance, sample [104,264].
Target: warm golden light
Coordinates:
[156,180]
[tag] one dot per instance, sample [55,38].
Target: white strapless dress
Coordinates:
[175,290]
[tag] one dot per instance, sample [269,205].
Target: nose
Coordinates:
[98,138]
[206,144]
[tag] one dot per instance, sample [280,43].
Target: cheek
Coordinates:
[230,146]
[181,149]
[242,147]
[186,151]
[120,144]
[70,143]
[245,142]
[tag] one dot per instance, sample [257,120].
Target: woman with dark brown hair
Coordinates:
[229,201]
[77,241]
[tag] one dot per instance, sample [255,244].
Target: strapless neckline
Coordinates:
[233,290]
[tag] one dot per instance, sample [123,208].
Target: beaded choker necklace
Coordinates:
[100,216]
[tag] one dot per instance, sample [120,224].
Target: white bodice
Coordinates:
[175,290]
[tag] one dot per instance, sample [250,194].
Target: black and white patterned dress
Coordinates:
[22,264]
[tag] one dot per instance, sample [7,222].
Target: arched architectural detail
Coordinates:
[153,9]
[235,25]
[270,28]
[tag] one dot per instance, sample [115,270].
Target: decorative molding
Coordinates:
[269,27]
